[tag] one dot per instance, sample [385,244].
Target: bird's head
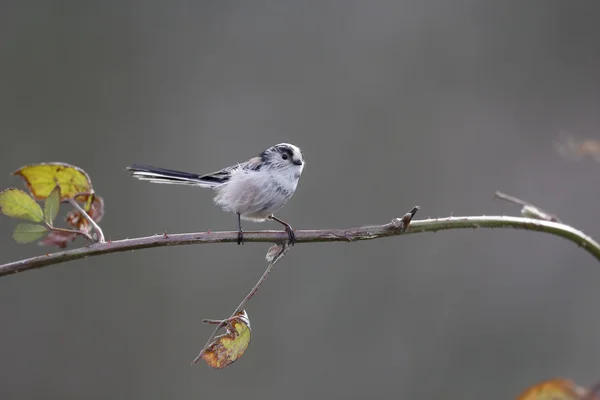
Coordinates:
[284,156]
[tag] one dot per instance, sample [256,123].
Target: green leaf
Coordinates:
[16,203]
[27,233]
[51,205]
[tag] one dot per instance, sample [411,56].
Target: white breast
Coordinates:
[255,195]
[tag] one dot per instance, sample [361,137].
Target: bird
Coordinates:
[254,190]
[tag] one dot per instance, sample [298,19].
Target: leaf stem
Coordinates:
[89,219]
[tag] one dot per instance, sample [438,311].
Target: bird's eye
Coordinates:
[284,156]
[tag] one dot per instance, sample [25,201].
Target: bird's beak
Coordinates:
[297,162]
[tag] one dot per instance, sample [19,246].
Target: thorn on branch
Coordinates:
[401,224]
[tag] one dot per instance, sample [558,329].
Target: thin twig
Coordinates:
[511,199]
[89,219]
[281,251]
[308,236]
[529,210]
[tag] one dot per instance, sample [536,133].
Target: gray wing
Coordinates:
[224,174]
[218,177]
[255,163]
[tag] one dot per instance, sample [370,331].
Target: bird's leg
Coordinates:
[240,232]
[288,229]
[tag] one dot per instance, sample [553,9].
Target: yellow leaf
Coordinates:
[554,389]
[16,203]
[42,178]
[27,233]
[229,347]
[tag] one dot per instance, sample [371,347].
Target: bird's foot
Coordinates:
[288,228]
[291,234]
[240,239]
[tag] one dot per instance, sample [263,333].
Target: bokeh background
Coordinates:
[394,103]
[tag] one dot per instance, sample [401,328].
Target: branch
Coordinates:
[309,236]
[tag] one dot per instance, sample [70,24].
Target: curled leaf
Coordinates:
[574,149]
[58,238]
[16,203]
[93,205]
[27,233]
[96,208]
[51,205]
[42,178]
[276,252]
[230,346]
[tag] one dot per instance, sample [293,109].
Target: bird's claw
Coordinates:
[291,235]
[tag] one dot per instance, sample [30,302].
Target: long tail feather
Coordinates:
[161,175]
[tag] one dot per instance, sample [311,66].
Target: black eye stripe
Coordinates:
[267,155]
[286,150]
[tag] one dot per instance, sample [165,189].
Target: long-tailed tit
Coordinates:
[254,189]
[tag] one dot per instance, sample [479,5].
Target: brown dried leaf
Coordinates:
[93,204]
[229,347]
[58,238]
[556,389]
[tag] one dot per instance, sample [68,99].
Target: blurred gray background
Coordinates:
[394,103]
